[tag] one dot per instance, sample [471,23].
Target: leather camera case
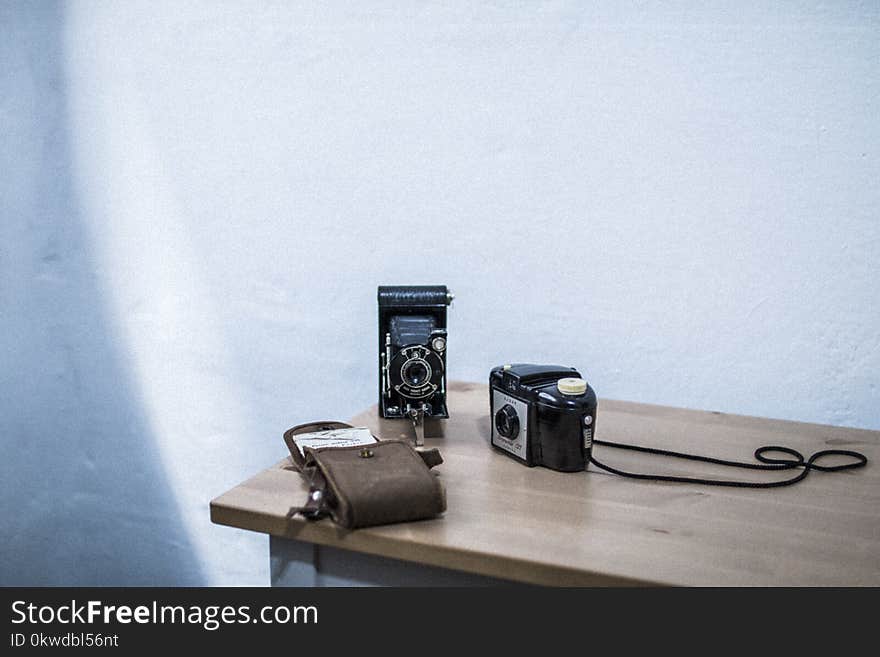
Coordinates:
[362,486]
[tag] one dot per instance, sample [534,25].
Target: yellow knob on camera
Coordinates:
[571,386]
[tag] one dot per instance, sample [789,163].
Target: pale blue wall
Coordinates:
[199,200]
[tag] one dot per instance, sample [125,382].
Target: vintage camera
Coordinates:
[412,352]
[542,415]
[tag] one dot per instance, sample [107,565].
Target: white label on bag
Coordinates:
[353,437]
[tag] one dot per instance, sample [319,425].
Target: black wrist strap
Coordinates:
[796,461]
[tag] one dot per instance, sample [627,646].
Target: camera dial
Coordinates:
[571,386]
[507,422]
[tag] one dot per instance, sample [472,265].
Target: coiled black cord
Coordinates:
[766,463]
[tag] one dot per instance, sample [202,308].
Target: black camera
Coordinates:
[412,351]
[542,415]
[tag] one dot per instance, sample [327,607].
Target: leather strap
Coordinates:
[308,427]
[431,457]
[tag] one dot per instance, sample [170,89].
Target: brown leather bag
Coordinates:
[385,482]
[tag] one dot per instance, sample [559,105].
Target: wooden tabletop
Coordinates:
[540,526]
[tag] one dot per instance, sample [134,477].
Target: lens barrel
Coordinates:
[416,372]
[507,422]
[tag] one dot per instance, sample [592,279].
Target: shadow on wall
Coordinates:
[84,496]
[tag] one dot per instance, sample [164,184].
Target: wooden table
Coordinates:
[506,521]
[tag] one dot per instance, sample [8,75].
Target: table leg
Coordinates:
[296,563]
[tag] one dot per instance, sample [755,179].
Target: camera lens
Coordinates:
[415,373]
[507,422]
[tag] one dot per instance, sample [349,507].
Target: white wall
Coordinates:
[199,201]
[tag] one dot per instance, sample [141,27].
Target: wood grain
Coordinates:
[578,529]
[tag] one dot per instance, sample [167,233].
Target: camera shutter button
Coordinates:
[571,386]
